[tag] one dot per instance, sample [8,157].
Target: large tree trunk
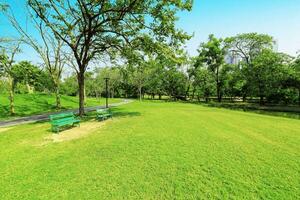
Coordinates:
[219,92]
[140,93]
[11,96]
[29,89]
[193,94]
[261,96]
[80,78]
[261,100]
[198,97]
[187,93]
[84,92]
[244,97]
[206,99]
[56,83]
[57,96]
[97,94]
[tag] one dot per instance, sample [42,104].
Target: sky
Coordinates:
[278,18]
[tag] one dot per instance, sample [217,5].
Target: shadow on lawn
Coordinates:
[27,107]
[278,111]
[116,113]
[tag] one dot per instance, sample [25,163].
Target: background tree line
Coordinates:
[146,56]
[251,71]
[244,67]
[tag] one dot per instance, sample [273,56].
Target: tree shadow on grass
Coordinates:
[4,111]
[69,99]
[278,111]
[116,113]
[31,105]
[121,112]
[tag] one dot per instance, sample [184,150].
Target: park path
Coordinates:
[45,117]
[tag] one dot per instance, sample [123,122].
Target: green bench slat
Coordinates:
[64,122]
[62,119]
[103,113]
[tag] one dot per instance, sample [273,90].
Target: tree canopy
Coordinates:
[98,28]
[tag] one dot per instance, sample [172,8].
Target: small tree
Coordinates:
[267,73]
[203,83]
[155,81]
[30,74]
[296,76]
[212,54]
[48,46]
[7,57]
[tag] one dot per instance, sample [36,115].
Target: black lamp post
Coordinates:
[106,90]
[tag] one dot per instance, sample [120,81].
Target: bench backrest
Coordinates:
[61,116]
[100,111]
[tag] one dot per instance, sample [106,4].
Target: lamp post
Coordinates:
[106,90]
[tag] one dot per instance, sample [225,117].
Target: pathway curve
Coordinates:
[44,117]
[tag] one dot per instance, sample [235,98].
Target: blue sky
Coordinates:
[279,18]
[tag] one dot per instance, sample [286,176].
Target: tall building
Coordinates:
[275,45]
[232,58]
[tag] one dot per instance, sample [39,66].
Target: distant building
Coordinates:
[232,58]
[275,45]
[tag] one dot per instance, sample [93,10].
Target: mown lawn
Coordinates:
[156,150]
[29,104]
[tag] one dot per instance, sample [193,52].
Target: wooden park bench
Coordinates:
[103,114]
[62,120]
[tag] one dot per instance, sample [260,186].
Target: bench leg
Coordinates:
[55,129]
[76,124]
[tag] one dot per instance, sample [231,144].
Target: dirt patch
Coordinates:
[74,133]
[4,129]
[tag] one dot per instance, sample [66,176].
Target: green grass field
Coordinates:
[156,150]
[30,104]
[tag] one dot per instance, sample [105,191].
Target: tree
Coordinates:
[295,76]
[155,81]
[204,83]
[212,54]
[244,48]
[248,45]
[126,84]
[175,83]
[92,28]
[267,73]
[69,85]
[7,57]
[97,85]
[48,46]
[234,81]
[30,74]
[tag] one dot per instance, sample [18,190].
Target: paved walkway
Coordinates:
[44,117]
